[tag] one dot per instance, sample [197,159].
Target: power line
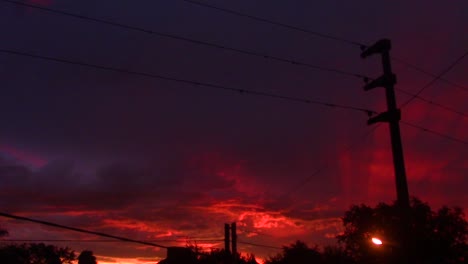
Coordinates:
[436,78]
[326,166]
[199,238]
[190,82]
[258,245]
[449,109]
[435,132]
[318,34]
[80,230]
[99,240]
[416,68]
[356,143]
[284,25]
[190,40]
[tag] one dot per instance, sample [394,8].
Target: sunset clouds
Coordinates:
[161,161]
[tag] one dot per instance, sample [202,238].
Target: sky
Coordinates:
[171,162]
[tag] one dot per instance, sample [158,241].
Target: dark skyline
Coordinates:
[153,159]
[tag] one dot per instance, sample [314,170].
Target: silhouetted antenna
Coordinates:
[435,132]
[190,82]
[80,230]
[227,239]
[436,78]
[189,40]
[234,239]
[283,25]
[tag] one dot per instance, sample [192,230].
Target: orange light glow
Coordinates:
[376,241]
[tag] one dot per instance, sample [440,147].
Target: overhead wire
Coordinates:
[284,25]
[350,147]
[80,230]
[328,36]
[416,68]
[100,240]
[436,78]
[191,82]
[449,109]
[322,168]
[356,143]
[435,132]
[190,40]
[258,245]
[318,34]
[214,45]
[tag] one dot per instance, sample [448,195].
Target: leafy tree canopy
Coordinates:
[87,257]
[36,254]
[430,237]
[297,253]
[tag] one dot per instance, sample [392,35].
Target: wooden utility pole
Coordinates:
[392,116]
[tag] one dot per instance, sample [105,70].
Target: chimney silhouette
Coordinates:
[234,239]
[226,239]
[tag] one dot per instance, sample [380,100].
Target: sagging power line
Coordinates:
[436,78]
[435,132]
[280,24]
[258,245]
[80,230]
[191,82]
[245,52]
[416,68]
[355,143]
[190,40]
[104,241]
[446,108]
[318,34]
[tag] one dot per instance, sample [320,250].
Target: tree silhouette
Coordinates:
[297,253]
[86,257]
[433,237]
[336,255]
[36,254]
[216,256]
[3,232]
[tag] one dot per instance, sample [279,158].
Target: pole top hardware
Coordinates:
[381,46]
[385,117]
[383,81]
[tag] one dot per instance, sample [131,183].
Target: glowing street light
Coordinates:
[377,241]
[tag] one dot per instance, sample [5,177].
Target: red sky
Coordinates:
[169,162]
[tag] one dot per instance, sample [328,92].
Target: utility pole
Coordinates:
[392,116]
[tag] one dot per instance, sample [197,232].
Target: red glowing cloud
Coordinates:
[22,156]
